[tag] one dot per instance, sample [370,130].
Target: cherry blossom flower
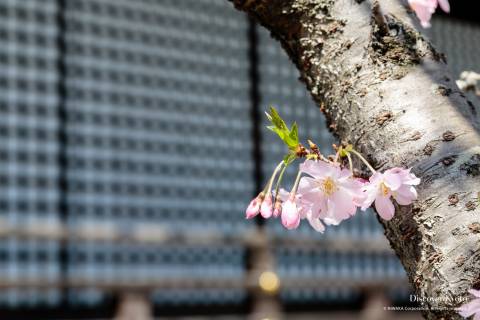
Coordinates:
[332,191]
[472,307]
[425,8]
[397,183]
[254,207]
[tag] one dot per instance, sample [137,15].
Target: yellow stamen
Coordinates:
[328,186]
[384,188]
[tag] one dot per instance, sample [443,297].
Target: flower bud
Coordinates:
[266,207]
[277,211]
[290,216]
[254,207]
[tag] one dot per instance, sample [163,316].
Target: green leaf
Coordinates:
[292,144]
[294,133]
[276,120]
[289,137]
[269,117]
[279,132]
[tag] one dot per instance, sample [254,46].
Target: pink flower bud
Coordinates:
[254,207]
[277,211]
[266,208]
[290,215]
[425,8]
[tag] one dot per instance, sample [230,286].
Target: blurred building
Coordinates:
[131,139]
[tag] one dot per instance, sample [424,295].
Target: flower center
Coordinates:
[328,186]
[385,190]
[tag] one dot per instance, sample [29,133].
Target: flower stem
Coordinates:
[336,156]
[272,178]
[363,160]
[295,185]
[350,162]
[279,180]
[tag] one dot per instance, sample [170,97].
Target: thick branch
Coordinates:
[386,90]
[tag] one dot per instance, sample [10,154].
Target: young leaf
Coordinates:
[292,144]
[289,137]
[280,133]
[294,133]
[269,117]
[276,120]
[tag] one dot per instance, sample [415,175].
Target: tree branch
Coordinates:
[385,89]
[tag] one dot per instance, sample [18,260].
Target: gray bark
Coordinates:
[387,91]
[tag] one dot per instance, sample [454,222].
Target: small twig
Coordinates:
[380,18]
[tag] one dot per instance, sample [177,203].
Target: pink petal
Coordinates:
[283,194]
[476,316]
[329,216]
[444,5]
[470,308]
[370,191]
[392,179]
[306,185]
[344,205]
[317,169]
[423,10]
[318,205]
[410,178]
[384,207]
[344,174]
[474,292]
[355,189]
[376,177]
[315,222]
[266,209]
[316,198]
[405,195]
[425,23]
[370,197]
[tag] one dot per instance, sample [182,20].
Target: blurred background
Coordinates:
[132,139]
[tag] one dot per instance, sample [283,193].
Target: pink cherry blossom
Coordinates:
[332,191]
[397,183]
[266,209]
[425,8]
[254,207]
[472,307]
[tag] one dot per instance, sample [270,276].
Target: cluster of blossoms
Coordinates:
[325,192]
[425,8]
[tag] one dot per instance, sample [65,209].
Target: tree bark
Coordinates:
[386,90]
